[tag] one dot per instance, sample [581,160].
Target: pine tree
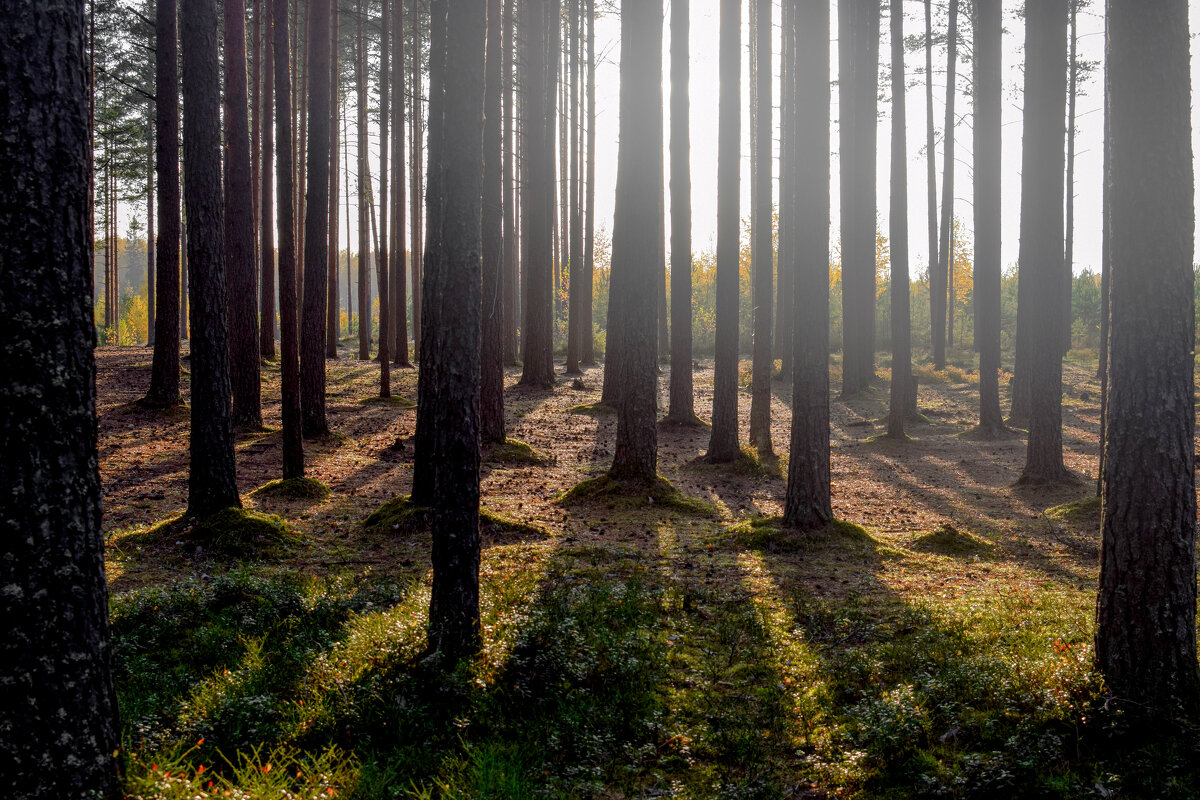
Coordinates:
[682,397]
[898,235]
[763,235]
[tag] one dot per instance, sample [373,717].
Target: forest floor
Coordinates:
[934,643]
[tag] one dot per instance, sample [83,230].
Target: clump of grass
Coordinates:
[748,463]
[496,523]
[769,533]
[592,409]
[951,374]
[395,400]
[400,516]
[514,451]
[232,533]
[293,489]
[660,493]
[950,541]
[1083,514]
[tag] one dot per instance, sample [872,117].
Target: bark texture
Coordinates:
[940,277]
[898,236]
[491,376]
[55,655]
[763,235]
[682,396]
[266,250]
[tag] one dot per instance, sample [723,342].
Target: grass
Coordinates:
[1083,514]
[395,400]
[514,451]
[769,533]
[748,463]
[592,409]
[293,489]
[400,517]
[231,534]
[950,541]
[661,493]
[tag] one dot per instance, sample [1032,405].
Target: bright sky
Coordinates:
[704,97]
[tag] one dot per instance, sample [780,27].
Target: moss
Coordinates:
[660,493]
[769,533]
[748,463]
[950,541]
[400,517]
[592,409]
[514,451]
[232,533]
[293,489]
[1078,513]
[496,523]
[395,400]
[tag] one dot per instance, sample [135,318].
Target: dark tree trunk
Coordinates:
[783,279]
[333,317]
[987,86]
[1146,613]
[365,311]
[185,319]
[1105,291]
[399,280]
[266,250]
[761,229]
[425,457]
[807,504]
[723,443]
[941,275]
[212,478]
[574,213]
[1069,232]
[417,259]
[491,377]
[637,233]
[589,220]
[60,730]
[289,345]
[898,234]
[537,100]
[316,233]
[452,352]
[164,367]
[382,249]
[239,227]
[1041,253]
[930,169]
[858,57]
[682,403]
[150,235]
[256,77]
[511,242]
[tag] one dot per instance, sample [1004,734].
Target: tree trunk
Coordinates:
[417,258]
[723,443]
[382,262]
[783,279]
[452,352]
[763,236]
[1146,612]
[212,479]
[398,279]
[858,56]
[942,274]
[682,403]
[637,233]
[574,213]
[150,235]
[1072,92]
[491,377]
[333,317]
[931,171]
[987,86]
[164,367]
[239,227]
[289,345]
[365,312]
[509,280]
[61,730]
[589,222]
[807,504]
[898,234]
[537,332]
[266,287]
[1041,253]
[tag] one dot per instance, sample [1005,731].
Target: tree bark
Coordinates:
[398,279]
[574,213]
[239,227]
[417,259]
[511,242]
[266,286]
[212,479]
[763,234]
[807,504]
[723,443]
[382,261]
[491,377]
[930,169]
[365,312]
[898,408]
[1041,253]
[783,279]
[452,351]
[164,366]
[150,235]
[941,275]
[60,729]
[1146,611]
[589,221]
[289,345]
[682,402]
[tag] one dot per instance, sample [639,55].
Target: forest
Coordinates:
[504,399]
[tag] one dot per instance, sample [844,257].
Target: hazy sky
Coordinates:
[704,96]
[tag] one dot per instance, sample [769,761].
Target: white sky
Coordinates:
[704,96]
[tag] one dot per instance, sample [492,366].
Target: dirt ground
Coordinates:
[898,491]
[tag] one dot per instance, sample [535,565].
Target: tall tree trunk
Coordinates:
[266,286]
[940,277]
[164,366]
[637,234]
[763,237]
[858,57]
[1146,612]
[807,504]
[417,257]
[931,172]
[382,249]
[491,378]
[589,222]
[185,318]
[365,312]
[61,729]
[302,69]
[452,346]
[1072,92]
[723,443]
[1041,253]
[537,98]
[987,86]
[316,232]
[398,278]
[682,403]
[574,218]
[333,317]
[239,227]
[560,84]
[783,279]
[511,242]
[898,235]
[150,235]
[212,479]
[256,77]
[289,345]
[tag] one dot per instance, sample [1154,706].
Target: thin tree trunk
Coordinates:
[212,478]
[763,236]
[399,280]
[382,262]
[150,235]
[491,378]
[1072,92]
[266,286]
[589,222]
[365,312]
[723,443]
[939,279]
[574,218]
[783,268]
[511,242]
[898,236]
[417,256]
[333,317]
[682,402]
[931,172]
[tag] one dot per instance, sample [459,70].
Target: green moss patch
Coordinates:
[401,517]
[293,489]
[1082,514]
[503,526]
[592,410]
[395,400]
[660,493]
[748,463]
[514,451]
[950,541]
[769,533]
[230,534]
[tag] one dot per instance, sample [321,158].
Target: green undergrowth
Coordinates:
[748,463]
[401,517]
[293,489]
[661,493]
[514,451]
[951,541]
[1083,514]
[592,409]
[769,533]
[395,400]
[230,534]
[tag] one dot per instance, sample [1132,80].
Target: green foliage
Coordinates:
[229,534]
[950,541]
[293,489]
[514,451]
[661,493]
